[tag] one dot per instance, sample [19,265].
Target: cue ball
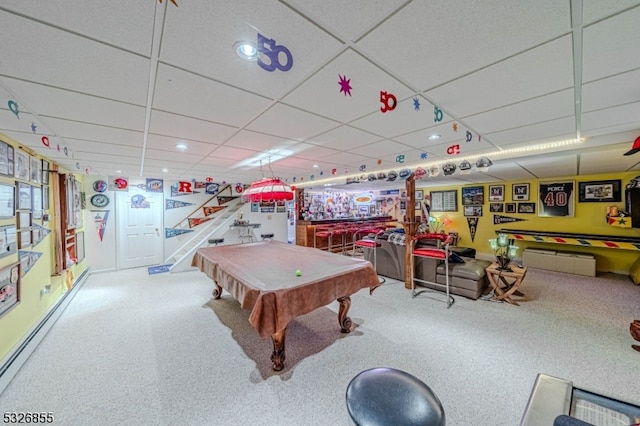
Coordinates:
[298,273]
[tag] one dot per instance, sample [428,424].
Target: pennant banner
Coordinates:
[27,260]
[195,221]
[182,188]
[100,218]
[473,226]
[498,219]
[174,204]
[224,200]
[174,232]
[209,210]
[39,232]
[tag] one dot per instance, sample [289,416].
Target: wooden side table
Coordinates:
[505,283]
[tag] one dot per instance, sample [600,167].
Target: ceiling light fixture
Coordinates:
[267,189]
[434,137]
[181,146]
[246,50]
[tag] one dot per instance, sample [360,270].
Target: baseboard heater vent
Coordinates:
[12,363]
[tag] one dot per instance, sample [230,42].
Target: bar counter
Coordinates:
[305,228]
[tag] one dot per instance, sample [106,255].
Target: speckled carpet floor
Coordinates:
[139,349]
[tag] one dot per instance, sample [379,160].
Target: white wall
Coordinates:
[101,254]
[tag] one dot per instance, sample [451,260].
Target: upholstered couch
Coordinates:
[466,279]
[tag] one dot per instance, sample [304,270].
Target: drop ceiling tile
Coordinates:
[611,46]
[323,93]
[460,37]
[544,108]
[258,141]
[539,71]
[344,138]
[285,121]
[564,128]
[211,52]
[616,118]
[63,60]
[51,102]
[183,93]
[400,121]
[350,22]
[180,127]
[611,91]
[96,20]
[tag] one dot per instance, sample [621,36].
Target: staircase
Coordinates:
[214,228]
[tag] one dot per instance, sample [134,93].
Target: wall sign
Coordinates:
[556,199]
[100,200]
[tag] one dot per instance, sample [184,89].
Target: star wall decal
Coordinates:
[33,127]
[344,85]
[416,104]
[423,155]
[172,1]
[455,127]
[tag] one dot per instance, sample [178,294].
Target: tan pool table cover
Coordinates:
[262,277]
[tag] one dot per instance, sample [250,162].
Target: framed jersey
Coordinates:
[556,199]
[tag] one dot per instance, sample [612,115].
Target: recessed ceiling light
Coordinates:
[246,50]
[434,137]
[181,146]
[165,170]
[315,166]
[118,171]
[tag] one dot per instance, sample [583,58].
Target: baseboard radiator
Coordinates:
[560,261]
[11,363]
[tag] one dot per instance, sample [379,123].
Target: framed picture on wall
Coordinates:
[22,162]
[520,192]
[510,207]
[45,172]
[444,201]
[556,199]
[472,195]
[496,207]
[45,198]
[10,159]
[473,210]
[36,202]
[419,195]
[7,201]
[9,287]
[24,196]
[34,170]
[4,162]
[526,208]
[496,192]
[601,191]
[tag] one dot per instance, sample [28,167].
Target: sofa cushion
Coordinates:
[472,269]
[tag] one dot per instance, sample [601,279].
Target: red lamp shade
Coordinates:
[267,189]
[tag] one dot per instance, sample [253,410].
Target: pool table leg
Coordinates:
[343,319]
[277,357]
[217,291]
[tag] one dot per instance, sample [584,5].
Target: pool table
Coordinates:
[264,278]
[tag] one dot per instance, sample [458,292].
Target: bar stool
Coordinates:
[215,241]
[364,229]
[341,231]
[266,237]
[386,396]
[322,232]
[373,245]
[441,252]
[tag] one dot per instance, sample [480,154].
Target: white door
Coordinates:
[140,227]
